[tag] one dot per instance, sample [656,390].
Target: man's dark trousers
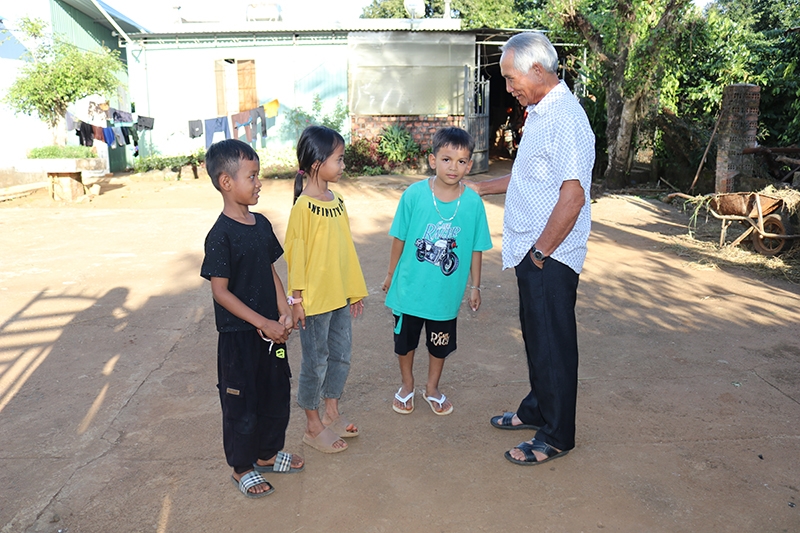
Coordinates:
[547,316]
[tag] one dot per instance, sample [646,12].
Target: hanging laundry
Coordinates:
[214,125]
[118,136]
[257,113]
[108,134]
[110,113]
[195,128]
[272,108]
[86,134]
[130,134]
[239,120]
[72,121]
[121,116]
[95,113]
[98,134]
[144,123]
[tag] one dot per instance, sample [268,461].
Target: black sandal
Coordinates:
[504,422]
[535,445]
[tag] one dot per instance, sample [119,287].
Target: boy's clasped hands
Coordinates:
[277,330]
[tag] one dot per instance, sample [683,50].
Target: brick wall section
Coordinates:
[421,127]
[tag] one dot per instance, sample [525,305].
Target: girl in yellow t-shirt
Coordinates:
[325,285]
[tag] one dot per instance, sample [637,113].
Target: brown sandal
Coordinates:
[339,426]
[324,441]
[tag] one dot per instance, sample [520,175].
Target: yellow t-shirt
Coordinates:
[321,255]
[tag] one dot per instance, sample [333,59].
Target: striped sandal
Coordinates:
[252,479]
[283,465]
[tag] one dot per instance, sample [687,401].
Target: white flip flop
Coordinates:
[404,401]
[440,401]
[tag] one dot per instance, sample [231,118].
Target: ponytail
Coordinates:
[298,185]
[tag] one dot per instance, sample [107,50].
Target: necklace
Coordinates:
[435,205]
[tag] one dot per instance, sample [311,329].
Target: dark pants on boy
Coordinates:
[547,315]
[254,390]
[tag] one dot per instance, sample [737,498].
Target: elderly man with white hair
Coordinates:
[545,231]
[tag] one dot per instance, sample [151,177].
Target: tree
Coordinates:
[487,13]
[780,101]
[628,39]
[757,15]
[58,74]
[385,9]
[734,43]
[773,42]
[531,13]
[473,13]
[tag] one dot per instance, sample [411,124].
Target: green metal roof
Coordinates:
[88,7]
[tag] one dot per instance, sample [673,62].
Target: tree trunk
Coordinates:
[621,124]
[59,132]
[614,105]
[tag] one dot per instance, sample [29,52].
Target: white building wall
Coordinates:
[19,133]
[174,86]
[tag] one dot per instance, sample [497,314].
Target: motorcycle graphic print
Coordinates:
[440,253]
[437,247]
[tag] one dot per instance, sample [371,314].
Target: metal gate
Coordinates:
[476,116]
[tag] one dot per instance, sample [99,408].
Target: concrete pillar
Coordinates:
[738,128]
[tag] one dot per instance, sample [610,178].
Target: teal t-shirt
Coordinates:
[433,270]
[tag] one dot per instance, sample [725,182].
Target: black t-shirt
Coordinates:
[244,255]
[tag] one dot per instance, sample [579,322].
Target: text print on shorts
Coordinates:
[440,339]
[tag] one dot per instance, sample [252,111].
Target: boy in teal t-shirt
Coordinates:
[440,232]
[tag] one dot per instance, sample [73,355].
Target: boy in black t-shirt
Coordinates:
[253,320]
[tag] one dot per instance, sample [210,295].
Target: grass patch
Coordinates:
[62,152]
[174,163]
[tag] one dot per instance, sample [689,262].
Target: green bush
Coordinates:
[362,158]
[174,163]
[372,171]
[398,146]
[62,152]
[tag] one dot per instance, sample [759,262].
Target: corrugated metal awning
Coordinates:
[276,29]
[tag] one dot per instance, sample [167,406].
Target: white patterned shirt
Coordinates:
[557,145]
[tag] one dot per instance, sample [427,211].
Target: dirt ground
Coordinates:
[688,406]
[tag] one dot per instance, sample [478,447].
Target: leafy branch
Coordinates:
[59,74]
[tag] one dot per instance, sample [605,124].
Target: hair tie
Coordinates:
[300,171]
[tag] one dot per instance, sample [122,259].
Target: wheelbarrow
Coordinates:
[767,228]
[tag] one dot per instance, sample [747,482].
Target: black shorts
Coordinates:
[440,335]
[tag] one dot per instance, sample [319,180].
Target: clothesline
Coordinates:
[244,119]
[123,132]
[122,129]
